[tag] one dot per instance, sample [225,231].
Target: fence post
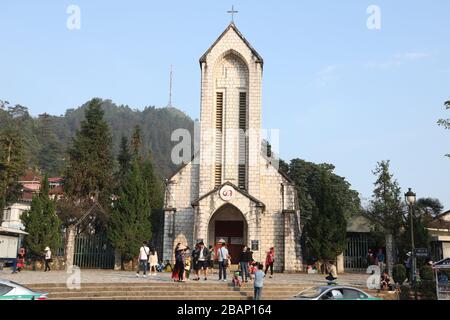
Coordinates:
[70,247]
[340,263]
[117,261]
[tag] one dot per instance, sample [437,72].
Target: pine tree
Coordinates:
[89,173]
[12,163]
[326,232]
[129,222]
[50,147]
[136,143]
[124,159]
[42,223]
[386,207]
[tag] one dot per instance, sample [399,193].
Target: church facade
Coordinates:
[232,191]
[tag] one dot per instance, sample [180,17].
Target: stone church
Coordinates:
[231,191]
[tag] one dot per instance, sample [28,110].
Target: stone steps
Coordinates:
[166,291]
[212,290]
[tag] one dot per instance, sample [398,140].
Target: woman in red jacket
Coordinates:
[270,259]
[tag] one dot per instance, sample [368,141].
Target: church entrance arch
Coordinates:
[228,224]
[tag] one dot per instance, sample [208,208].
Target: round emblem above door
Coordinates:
[226,193]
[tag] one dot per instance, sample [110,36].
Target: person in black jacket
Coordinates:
[202,260]
[244,259]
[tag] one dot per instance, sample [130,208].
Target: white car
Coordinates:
[334,293]
[10,290]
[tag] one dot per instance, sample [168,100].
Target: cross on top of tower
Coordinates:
[232,12]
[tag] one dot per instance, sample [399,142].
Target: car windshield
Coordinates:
[313,292]
[21,287]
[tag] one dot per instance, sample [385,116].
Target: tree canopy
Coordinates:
[386,207]
[326,231]
[42,223]
[12,151]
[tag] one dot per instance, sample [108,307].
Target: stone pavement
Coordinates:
[110,276]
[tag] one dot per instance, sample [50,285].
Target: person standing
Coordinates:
[259,282]
[47,259]
[174,269]
[210,259]
[153,261]
[380,260]
[223,257]
[270,259]
[180,259]
[202,262]
[21,259]
[244,259]
[194,259]
[144,253]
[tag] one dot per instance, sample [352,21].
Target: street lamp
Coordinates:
[410,198]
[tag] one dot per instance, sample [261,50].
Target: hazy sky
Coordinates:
[338,91]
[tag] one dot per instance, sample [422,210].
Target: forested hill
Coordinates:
[47,137]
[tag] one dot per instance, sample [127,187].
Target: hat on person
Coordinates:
[47,249]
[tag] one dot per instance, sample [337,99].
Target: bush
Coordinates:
[399,273]
[426,273]
[427,289]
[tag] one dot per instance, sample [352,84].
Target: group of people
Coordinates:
[201,261]
[148,260]
[19,262]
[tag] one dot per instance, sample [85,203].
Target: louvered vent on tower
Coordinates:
[219,130]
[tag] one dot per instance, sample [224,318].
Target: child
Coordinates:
[167,267]
[252,269]
[385,282]
[259,282]
[187,267]
[236,279]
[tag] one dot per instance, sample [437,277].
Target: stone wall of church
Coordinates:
[278,229]
[181,191]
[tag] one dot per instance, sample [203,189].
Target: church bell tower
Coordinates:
[230,142]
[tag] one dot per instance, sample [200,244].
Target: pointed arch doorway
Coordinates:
[228,224]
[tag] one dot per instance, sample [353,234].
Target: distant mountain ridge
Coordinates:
[54,134]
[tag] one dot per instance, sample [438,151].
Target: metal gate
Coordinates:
[355,256]
[93,252]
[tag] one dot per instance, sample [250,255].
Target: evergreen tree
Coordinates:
[129,222]
[326,232]
[42,223]
[154,184]
[49,159]
[89,171]
[386,207]
[424,211]
[124,158]
[12,153]
[136,143]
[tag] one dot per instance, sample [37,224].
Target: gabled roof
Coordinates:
[233,26]
[243,192]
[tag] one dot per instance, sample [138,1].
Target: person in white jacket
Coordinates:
[153,261]
[47,258]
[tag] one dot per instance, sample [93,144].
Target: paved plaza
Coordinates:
[110,276]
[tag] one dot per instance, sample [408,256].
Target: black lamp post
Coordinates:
[410,198]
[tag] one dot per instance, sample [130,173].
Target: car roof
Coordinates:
[4,281]
[12,283]
[339,287]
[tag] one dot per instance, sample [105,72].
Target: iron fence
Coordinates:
[93,252]
[355,256]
